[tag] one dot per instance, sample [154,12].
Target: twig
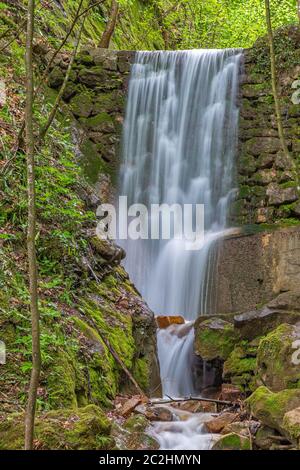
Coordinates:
[209,400]
[92,271]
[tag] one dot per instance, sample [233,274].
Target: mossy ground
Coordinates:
[84,429]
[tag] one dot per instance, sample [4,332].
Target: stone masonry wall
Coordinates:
[267,180]
[96,95]
[252,269]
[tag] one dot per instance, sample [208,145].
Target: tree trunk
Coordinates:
[298,9]
[31,232]
[273,79]
[110,27]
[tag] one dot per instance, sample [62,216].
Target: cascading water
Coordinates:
[179,142]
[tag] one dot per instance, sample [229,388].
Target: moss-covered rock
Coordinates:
[256,146]
[82,104]
[270,407]
[92,163]
[84,429]
[291,424]
[108,102]
[275,366]
[102,122]
[240,366]
[133,434]
[232,441]
[56,77]
[214,339]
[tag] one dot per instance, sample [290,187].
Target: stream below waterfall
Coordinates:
[179,142]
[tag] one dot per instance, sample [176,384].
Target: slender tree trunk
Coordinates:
[110,27]
[298,9]
[273,79]
[31,232]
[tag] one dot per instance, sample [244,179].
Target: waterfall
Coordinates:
[179,142]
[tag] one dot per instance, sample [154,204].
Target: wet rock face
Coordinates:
[267,179]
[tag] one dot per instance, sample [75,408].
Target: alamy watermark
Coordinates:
[160,221]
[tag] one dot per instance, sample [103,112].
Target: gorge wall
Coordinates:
[264,258]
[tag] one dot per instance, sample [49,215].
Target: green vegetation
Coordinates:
[84,429]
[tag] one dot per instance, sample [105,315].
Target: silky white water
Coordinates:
[179,142]
[186,431]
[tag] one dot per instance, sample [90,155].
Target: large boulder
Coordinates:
[99,77]
[276,365]
[232,441]
[215,339]
[217,424]
[289,301]
[270,407]
[260,322]
[83,429]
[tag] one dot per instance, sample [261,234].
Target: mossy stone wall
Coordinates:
[96,95]
[268,181]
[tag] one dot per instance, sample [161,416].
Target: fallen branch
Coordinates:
[177,400]
[117,358]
